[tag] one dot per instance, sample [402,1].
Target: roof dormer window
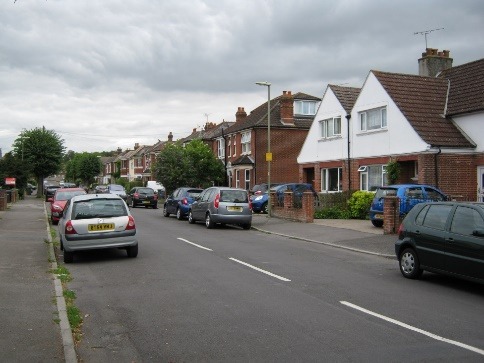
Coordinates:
[305,108]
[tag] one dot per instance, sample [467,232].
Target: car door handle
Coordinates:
[449,240]
[417,232]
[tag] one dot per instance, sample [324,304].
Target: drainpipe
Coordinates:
[436,166]
[225,158]
[348,117]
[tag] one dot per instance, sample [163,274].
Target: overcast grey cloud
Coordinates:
[108,74]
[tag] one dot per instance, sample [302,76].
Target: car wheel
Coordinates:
[132,251]
[191,220]
[165,212]
[179,214]
[68,257]
[377,223]
[257,211]
[265,208]
[61,244]
[246,226]
[409,264]
[155,206]
[208,221]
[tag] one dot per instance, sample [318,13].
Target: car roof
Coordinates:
[62,190]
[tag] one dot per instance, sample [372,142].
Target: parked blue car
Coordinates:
[259,202]
[409,195]
[179,202]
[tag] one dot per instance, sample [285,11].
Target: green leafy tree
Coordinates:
[191,165]
[43,150]
[83,168]
[11,166]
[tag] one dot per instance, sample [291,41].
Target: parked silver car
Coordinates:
[222,205]
[95,221]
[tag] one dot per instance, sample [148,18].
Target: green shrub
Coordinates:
[332,213]
[359,204]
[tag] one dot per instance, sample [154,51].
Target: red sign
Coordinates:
[10,181]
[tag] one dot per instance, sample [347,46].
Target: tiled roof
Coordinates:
[258,116]
[466,87]
[244,160]
[346,96]
[422,101]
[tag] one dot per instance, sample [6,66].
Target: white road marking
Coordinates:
[194,244]
[433,336]
[260,270]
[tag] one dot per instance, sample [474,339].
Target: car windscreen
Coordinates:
[233,196]
[98,208]
[385,192]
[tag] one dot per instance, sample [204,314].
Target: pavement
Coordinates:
[33,319]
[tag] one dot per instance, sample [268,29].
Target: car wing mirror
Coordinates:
[478,232]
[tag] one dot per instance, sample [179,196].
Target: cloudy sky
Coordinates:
[112,73]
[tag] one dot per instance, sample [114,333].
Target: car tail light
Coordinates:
[185,201]
[70,228]
[131,224]
[258,192]
[216,202]
[401,231]
[135,195]
[250,204]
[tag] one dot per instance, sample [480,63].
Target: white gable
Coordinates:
[473,126]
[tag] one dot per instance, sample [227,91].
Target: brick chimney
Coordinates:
[136,145]
[170,137]
[240,115]
[210,125]
[287,108]
[433,62]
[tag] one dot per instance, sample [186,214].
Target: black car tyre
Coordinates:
[377,223]
[410,264]
[246,226]
[191,220]
[265,208]
[155,206]
[179,215]
[133,204]
[165,212]
[132,251]
[68,257]
[208,221]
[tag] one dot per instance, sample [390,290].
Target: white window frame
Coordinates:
[237,178]
[366,174]
[302,107]
[330,127]
[377,124]
[325,178]
[247,179]
[221,148]
[245,142]
[235,145]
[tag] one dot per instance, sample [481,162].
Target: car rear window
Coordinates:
[385,192]
[68,195]
[116,187]
[193,193]
[148,191]
[98,208]
[233,196]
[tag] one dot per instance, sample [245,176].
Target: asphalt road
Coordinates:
[232,295]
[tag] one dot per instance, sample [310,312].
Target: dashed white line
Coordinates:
[260,270]
[399,323]
[194,244]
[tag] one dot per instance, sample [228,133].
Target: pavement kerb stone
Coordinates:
[326,243]
[70,355]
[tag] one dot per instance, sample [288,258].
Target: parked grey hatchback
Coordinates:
[222,205]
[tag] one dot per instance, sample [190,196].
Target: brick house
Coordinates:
[431,124]
[243,146]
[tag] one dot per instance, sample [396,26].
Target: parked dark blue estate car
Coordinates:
[409,195]
[179,202]
[259,202]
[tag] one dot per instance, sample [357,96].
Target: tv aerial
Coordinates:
[425,32]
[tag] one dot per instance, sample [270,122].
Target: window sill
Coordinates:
[332,138]
[371,132]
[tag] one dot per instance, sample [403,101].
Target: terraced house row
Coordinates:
[430,123]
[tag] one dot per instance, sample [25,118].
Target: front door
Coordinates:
[480,183]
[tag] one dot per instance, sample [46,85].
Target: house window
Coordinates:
[245,142]
[247,179]
[332,180]
[237,179]
[372,177]
[221,148]
[304,107]
[330,127]
[235,146]
[374,119]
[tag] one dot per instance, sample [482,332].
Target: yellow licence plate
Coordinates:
[379,216]
[234,209]
[100,227]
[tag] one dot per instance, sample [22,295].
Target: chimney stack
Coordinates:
[433,62]
[240,114]
[170,137]
[287,108]
[136,145]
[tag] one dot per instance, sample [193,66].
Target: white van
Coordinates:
[157,187]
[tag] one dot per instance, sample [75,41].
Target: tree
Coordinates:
[12,166]
[43,151]
[194,165]
[83,168]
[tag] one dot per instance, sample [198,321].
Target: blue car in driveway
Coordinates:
[409,195]
[178,203]
[259,202]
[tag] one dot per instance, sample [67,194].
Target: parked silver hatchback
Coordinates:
[94,221]
[222,205]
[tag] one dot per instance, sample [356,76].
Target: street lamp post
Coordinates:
[268,154]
